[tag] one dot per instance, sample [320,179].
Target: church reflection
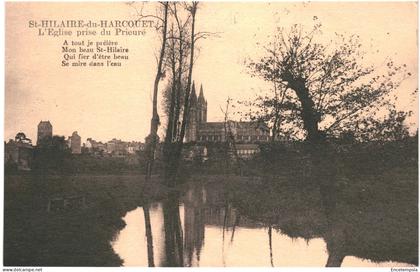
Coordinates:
[206,226]
[201,208]
[194,224]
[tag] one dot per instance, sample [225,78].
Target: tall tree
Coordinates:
[182,63]
[327,85]
[193,11]
[152,138]
[177,63]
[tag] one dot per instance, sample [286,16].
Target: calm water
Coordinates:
[231,221]
[206,230]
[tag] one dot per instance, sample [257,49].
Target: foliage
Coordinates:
[50,153]
[391,127]
[273,110]
[326,87]
[21,137]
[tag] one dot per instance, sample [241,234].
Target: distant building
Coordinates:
[45,131]
[75,143]
[95,147]
[101,147]
[133,147]
[246,135]
[88,144]
[116,147]
[199,130]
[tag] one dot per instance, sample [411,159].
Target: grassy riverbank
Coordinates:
[362,200]
[368,216]
[77,236]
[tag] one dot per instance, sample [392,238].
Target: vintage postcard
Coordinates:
[211,134]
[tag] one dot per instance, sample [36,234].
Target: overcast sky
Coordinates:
[103,103]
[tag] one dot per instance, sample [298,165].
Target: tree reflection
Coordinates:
[351,222]
[325,176]
[173,254]
[270,244]
[355,214]
[334,235]
[149,236]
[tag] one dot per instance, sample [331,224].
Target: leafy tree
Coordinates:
[327,86]
[51,153]
[388,128]
[21,138]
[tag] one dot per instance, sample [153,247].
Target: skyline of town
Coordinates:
[101,103]
[84,139]
[84,143]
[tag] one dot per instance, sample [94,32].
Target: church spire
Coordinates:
[201,96]
[201,99]
[193,94]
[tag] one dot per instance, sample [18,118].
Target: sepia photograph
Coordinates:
[211,134]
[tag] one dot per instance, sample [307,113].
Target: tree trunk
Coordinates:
[179,83]
[149,236]
[173,237]
[308,113]
[172,169]
[170,134]
[152,139]
[188,89]
[174,111]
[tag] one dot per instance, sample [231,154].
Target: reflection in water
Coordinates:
[335,231]
[172,232]
[207,219]
[149,236]
[270,244]
[194,221]
[237,221]
[334,235]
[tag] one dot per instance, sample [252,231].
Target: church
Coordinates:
[200,131]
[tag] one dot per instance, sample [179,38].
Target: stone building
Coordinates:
[75,143]
[199,130]
[95,147]
[116,147]
[45,131]
[133,147]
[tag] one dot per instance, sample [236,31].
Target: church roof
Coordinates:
[212,125]
[240,125]
[250,124]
